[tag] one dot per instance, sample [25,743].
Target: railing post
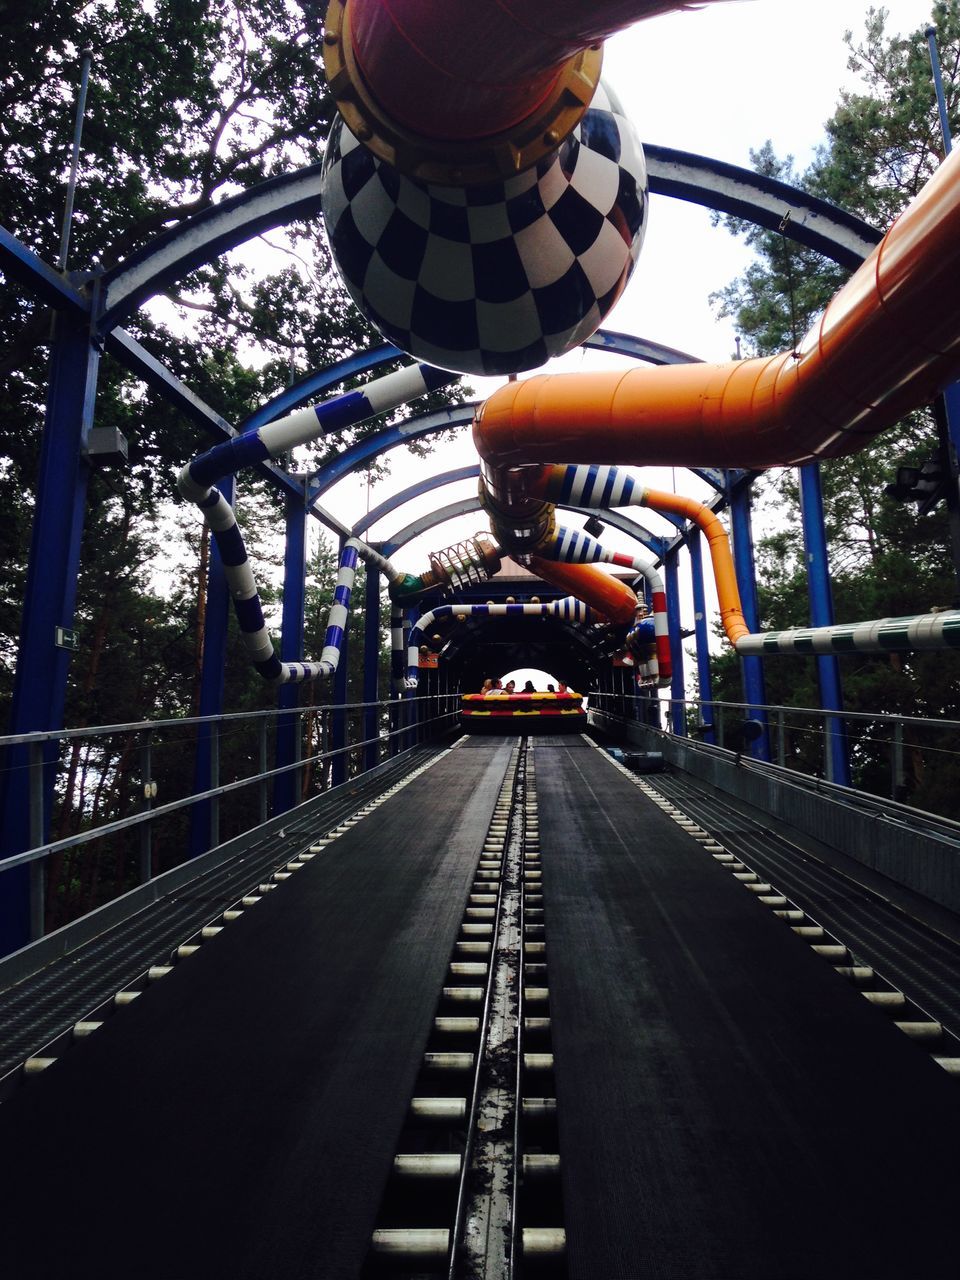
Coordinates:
[262,788]
[897,771]
[700,632]
[781,739]
[738,496]
[214,782]
[671,573]
[216,625]
[286,793]
[371,665]
[146,828]
[38,870]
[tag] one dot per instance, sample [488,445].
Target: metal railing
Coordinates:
[910,759]
[91,793]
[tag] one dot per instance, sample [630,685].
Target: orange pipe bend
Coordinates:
[887,343]
[728,593]
[601,591]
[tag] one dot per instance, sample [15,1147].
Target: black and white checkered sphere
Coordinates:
[492,279]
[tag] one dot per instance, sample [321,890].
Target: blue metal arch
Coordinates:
[724,187]
[414,491]
[464,506]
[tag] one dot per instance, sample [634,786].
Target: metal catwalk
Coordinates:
[728,1107]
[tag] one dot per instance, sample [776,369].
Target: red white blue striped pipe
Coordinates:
[576,547]
[569,608]
[608,486]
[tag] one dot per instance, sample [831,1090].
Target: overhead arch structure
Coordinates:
[93,305]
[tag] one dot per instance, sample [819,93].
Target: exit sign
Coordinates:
[67,639]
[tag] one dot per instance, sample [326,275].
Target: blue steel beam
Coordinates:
[821,615]
[278,201]
[53,288]
[464,506]
[726,188]
[389,505]
[207,235]
[40,682]
[373,446]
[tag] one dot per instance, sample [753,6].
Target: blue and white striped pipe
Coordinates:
[573,546]
[304,425]
[196,484]
[569,608]
[593,486]
[223,525]
[924,631]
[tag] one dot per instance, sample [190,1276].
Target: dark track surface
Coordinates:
[36,1010]
[729,1108]
[238,1120]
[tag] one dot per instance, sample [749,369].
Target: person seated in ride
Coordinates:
[486,687]
[562,688]
[551,689]
[528,687]
[494,690]
[510,686]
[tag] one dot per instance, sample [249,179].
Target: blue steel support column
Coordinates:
[821,615]
[751,668]
[700,633]
[215,629]
[286,793]
[39,690]
[671,581]
[371,664]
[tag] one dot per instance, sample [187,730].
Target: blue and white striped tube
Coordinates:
[304,425]
[196,484]
[924,631]
[573,546]
[593,486]
[223,525]
[569,608]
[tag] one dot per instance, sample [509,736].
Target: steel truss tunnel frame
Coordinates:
[90,307]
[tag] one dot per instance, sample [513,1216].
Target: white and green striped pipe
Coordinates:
[923,631]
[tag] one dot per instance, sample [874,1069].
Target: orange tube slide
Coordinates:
[728,593]
[886,344]
[601,591]
[465,71]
